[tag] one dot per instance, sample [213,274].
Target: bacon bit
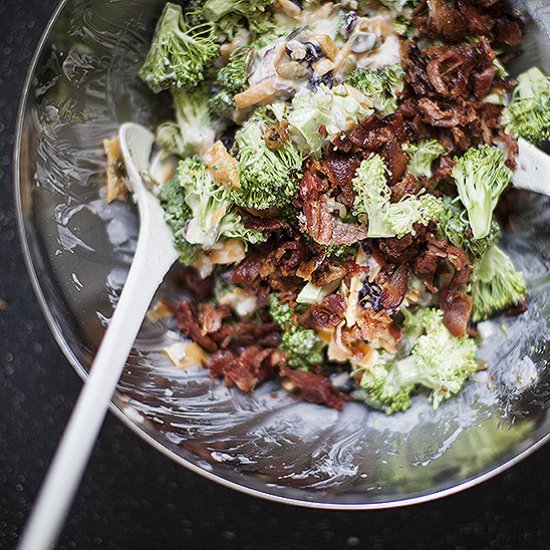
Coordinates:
[201,287]
[223,167]
[509,30]
[450,71]
[325,229]
[396,160]
[328,314]
[443,20]
[483,82]
[116,171]
[340,170]
[396,287]
[312,184]
[247,370]
[457,308]
[248,272]
[407,186]
[315,388]
[476,23]
[444,167]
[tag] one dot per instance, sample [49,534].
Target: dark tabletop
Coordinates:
[134,498]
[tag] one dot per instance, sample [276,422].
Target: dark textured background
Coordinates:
[134,498]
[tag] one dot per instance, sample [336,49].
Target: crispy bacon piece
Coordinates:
[200,325]
[340,169]
[315,388]
[406,186]
[457,308]
[268,225]
[248,271]
[395,288]
[476,22]
[328,314]
[449,72]
[248,369]
[443,168]
[438,113]
[327,271]
[325,229]
[508,29]
[312,184]
[200,287]
[443,20]
[483,82]
[427,263]
[396,160]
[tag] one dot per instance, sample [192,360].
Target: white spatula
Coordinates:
[154,256]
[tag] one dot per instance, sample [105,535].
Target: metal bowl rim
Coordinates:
[81,371]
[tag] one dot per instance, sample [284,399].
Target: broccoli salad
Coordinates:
[335,177]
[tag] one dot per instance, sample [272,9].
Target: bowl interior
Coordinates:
[82,87]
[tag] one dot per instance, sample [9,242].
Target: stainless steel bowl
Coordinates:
[81,86]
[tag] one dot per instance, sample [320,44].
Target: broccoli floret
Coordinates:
[400,217]
[254,11]
[232,77]
[481,176]
[381,86]
[400,5]
[453,226]
[372,195]
[334,109]
[192,132]
[179,54]
[230,81]
[496,285]
[421,156]
[438,362]
[212,214]
[268,178]
[528,115]
[303,347]
[177,214]
[222,105]
[372,203]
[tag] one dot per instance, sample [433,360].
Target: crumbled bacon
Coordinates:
[325,228]
[201,287]
[328,314]
[395,287]
[315,388]
[340,169]
[247,369]
[406,186]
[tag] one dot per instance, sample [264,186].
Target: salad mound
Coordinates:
[337,171]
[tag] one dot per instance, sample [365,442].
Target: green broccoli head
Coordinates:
[179,54]
[438,362]
[222,105]
[401,217]
[528,115]
[481,176]
[232,77]
[212,214]
[372,203]
[421,156]
[453,226]
[268,178]
[384,389]
[496,285]
[335,109]
[303,347]
[372,195]
[193,130]
[177,214]
[256,12]
[382,86]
